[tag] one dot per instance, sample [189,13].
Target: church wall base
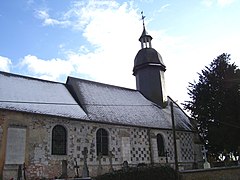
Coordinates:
[126,143]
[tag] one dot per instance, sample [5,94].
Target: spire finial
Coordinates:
[145,39]
[143,17]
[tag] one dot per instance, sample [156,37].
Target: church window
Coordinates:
[102,142]
[59,140]
[160,145]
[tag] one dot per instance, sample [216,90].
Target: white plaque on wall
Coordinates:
[16,143]
[126,153]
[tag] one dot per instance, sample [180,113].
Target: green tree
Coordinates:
[215,104]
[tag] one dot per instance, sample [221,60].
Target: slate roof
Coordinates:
[112,104]
[148,56]
[86,100]
[31,95]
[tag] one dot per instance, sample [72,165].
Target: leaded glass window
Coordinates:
[102,142]
[59,140]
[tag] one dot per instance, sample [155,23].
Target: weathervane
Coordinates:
[143,17]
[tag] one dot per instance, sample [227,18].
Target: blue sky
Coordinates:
[98,40]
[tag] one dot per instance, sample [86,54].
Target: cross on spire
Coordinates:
[143,17]
[145,39]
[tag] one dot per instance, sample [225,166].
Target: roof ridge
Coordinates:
[100,83]
[28,77]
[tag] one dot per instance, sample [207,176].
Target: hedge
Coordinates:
[141,173]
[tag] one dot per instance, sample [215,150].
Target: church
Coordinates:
[85,128]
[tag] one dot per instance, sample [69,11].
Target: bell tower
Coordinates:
[149,71]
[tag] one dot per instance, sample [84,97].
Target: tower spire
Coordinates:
[149,70]
[143,17]
[145,39]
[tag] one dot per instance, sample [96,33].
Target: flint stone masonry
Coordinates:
[126,144]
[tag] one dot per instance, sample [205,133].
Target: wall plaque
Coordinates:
[16,143]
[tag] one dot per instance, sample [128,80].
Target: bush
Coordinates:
[142,173]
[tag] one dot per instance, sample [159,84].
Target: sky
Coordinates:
[98,39]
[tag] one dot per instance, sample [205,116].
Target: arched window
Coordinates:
[102,142]
[59,140]
[160,145]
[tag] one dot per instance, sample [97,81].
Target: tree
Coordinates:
[215,104]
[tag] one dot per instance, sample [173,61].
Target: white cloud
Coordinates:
[162,8]
[112,28]
[5,64]
[222,3]
[47,21]
[225,2]
[47,69]
[81,14]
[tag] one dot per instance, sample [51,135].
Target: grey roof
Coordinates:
[31,95]
[117,105]
[87,100]
[148,56]
[144,34]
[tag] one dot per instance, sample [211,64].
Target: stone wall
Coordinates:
[226,173]
[133,144]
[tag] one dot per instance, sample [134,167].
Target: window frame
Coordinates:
[59,140]
[160,145]
[102,147]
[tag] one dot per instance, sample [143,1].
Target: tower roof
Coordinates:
[148,57]
[145,34]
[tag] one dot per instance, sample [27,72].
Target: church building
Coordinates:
[80,128]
